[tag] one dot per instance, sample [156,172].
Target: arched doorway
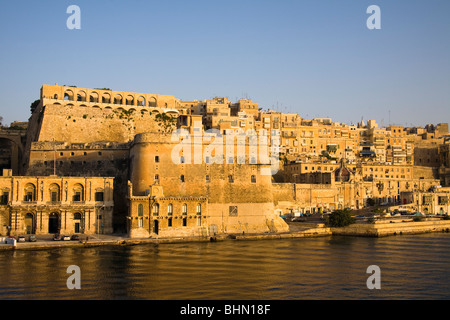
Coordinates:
[53,223]
[11,151]
[77,222]
[29,224]
[155,226]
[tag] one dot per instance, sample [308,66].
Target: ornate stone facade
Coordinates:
[80,132]
[53,204]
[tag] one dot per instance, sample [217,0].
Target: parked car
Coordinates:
[32,239]
[21,239]
[75,237]
[57,237]
[66,238]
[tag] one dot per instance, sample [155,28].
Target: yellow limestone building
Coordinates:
[53,204]
[172,194]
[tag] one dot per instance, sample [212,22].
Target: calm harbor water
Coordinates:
[412,267]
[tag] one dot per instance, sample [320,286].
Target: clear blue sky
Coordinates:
[315,57]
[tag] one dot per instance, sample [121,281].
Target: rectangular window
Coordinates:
[29,196]
[207,178]
[156,158]
[77,196]
[253,179]
[233,211]
[5,198]
[99,196]
[169,222]
[54,196]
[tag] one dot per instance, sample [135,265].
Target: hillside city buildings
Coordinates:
[101,161]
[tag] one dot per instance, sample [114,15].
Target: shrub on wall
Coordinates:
[340,218]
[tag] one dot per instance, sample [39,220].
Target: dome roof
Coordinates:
[342,173]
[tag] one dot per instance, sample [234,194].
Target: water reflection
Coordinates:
[412,267]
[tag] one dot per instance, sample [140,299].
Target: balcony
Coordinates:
[78,202]
[30,203]
[289,134]
[289,125]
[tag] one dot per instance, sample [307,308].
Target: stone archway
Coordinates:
[77,223]
[29,223]
[11,151]
[54,223]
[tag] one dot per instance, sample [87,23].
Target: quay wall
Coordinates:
[389,229]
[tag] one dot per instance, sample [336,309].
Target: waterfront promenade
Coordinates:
[380,228]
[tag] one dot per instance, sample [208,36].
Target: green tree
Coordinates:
[340,218]
[34,105]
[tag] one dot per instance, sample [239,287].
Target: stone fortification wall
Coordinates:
[425,172]
[239,197]
[77,124]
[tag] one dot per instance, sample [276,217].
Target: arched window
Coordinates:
[118,99]
[129,100]
[81,96]
[141,101]
[152,102]
[55,194]
[156,209]
[184,212]
[68,95]
[78,193]
[169,209]
[140,210]
[77,216]
[30,192]
[106,98]
[199,209]
[93,97]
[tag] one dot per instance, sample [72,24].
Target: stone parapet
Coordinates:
[388,229]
